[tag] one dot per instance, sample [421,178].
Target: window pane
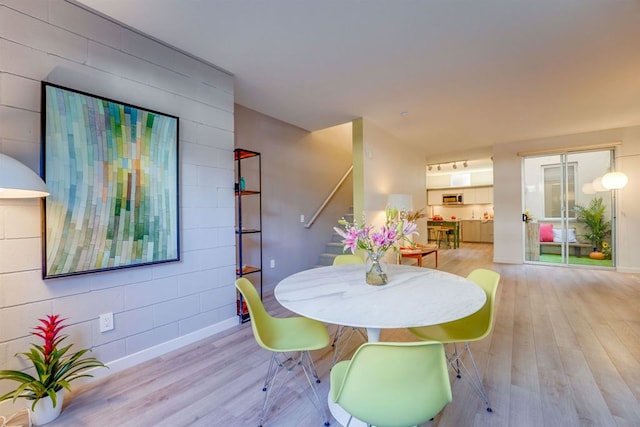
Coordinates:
[552,190]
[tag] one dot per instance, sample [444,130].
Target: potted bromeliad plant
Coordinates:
[593,216]
[55,367]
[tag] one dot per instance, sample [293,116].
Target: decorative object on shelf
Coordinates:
[243,185]
[55,370]
[376,243]
[593,217]
[526,216]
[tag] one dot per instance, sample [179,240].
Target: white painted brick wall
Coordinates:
[56,41]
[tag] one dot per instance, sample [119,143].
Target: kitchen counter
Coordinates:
[453,223]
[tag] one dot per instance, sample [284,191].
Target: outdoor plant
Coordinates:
[55,366]
[594,218]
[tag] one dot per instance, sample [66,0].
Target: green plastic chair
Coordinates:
[471,328]
[297,335]
[392,384]
[342,337]
[345,259]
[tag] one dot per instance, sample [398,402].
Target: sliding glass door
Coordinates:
[567,213]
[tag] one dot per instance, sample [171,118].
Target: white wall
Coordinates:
[508,228]
[156,305]
[299,170]
[388,170]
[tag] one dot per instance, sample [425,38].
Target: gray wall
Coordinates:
[299,169]
[157,305]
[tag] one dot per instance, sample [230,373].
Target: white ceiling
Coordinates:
[470,73]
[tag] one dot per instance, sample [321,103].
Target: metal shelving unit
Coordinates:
[248,222]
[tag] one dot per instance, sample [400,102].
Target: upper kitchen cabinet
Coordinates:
[470,195]
[434,197]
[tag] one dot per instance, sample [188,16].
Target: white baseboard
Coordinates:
[118,365]
[628,270]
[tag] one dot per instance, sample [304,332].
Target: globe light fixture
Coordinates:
[614,180]
[597,185]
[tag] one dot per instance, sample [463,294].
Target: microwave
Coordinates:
[452,199]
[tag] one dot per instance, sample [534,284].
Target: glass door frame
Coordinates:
[572,190]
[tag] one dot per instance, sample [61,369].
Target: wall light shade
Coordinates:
[402,202]
[588,188]
[17,181]
[597,185]
[614,180]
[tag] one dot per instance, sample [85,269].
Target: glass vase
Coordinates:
[376,269]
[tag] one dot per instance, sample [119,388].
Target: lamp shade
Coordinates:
[597,185]
[402,202]
[587,188]
[614,180]
[17,181]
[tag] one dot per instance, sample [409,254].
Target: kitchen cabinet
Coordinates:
[470,196]
[484,195]
[434,197]
[477,231]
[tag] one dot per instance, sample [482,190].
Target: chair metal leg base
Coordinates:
[289,363]
[342,339]
[457,364]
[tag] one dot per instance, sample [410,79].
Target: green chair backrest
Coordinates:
[347,259]
[395,384]
[263,325]
[478,325]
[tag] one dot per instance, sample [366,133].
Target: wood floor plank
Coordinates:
[565,351]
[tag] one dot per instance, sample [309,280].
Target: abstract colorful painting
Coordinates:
[112,170]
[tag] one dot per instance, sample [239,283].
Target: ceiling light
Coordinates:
[614,180]
[455,166]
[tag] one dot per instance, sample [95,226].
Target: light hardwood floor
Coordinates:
[564,351]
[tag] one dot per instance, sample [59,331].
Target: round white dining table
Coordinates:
[414,296]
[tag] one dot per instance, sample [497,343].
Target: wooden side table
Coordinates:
[418,253]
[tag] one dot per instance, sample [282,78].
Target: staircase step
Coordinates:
[336,238]
[334,248]
[326,259]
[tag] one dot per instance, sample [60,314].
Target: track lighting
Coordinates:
[455,166]
[439,167]
[430,167]
[465,164]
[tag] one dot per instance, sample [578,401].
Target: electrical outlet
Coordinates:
[273,263]
[106,322]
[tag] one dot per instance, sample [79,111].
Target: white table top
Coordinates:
[413,297]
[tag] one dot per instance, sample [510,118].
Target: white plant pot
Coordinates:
[44,412]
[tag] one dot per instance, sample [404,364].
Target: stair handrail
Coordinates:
[329,197]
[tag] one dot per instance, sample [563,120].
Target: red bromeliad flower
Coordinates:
[48,331]
[54,363]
